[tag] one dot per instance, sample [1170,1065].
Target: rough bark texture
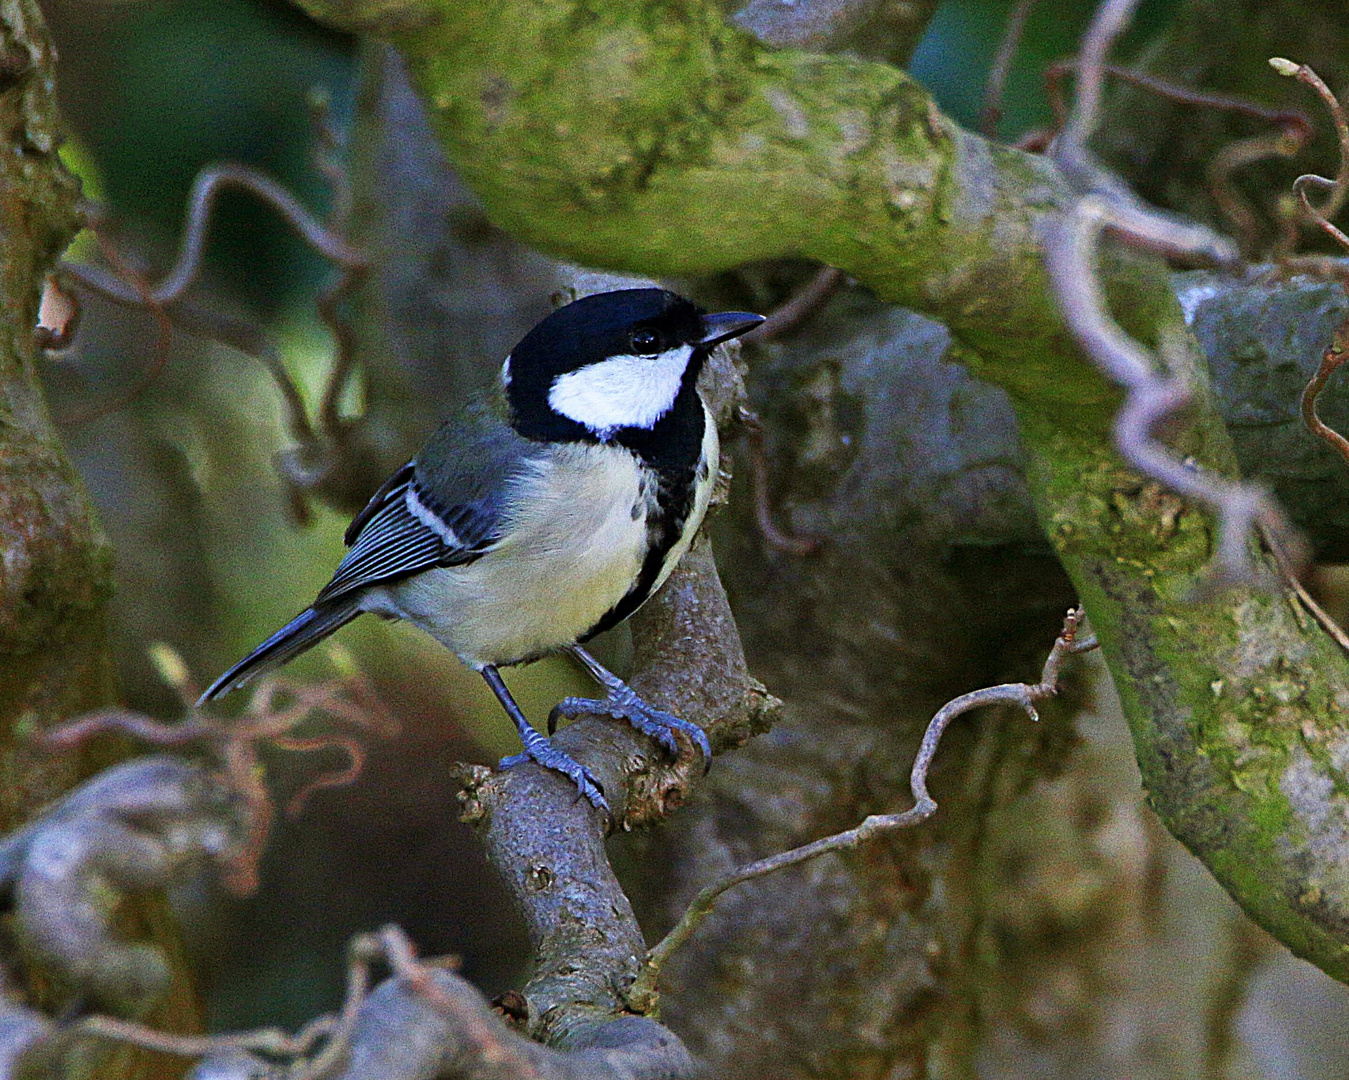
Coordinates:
[55,566]
[56,573]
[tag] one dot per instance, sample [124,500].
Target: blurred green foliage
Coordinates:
[158,89]
[954,57]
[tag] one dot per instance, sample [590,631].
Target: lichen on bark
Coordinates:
[55,564]
[55,577]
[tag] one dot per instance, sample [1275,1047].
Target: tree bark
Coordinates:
[55,564]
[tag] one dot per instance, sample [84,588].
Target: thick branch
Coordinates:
[56,572]
[402,1034]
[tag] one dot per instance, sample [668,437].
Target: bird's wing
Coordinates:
[442,509]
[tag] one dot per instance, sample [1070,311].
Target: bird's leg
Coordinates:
[622,701]
[538,748]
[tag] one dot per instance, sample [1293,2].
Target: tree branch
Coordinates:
[57,567]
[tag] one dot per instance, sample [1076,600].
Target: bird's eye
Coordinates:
[645,342]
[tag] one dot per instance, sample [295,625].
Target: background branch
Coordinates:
[57,570]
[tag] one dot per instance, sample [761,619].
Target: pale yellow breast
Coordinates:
[566,562]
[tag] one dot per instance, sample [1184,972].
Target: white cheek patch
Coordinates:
[622,391]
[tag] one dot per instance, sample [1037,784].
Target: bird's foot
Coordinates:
[541,750]
[624,704]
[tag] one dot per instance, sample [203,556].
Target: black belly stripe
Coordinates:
[674,504]
[673,451]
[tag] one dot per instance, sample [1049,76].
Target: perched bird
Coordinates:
[535,520]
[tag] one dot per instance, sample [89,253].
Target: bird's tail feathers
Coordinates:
[305,630]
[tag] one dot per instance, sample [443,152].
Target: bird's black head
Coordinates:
[612,363]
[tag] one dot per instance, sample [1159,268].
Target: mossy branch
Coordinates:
[656,137]
[55,564]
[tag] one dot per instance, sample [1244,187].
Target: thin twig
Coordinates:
[327,149]
[1323,618]
[991,113]
[1331,360]
[275,709]
[782,320]
[163,339]
[1292,120]
[344,345]
[190,318]
[763,509]
[337,778]
[271,1041]
[1339,187]
[328,146]
[1236,155]
[642,994]
[799,307]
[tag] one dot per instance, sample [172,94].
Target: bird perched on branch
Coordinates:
[531,522]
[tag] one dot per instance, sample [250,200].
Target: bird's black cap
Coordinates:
[599,326]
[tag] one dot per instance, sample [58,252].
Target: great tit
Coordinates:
[535,519]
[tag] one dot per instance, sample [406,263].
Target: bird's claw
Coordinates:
[550,757]
[655,723]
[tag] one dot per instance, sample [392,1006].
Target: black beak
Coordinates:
[726,325]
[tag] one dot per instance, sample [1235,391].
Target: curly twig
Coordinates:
[1290,120]
[1151,397]
[763,507]
[1338,188]
[163,338]
[247,337]
[275,709]
[643,991]
[271,1041]
[1229,201]
[321,453]
[209,183]
[1331,360]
